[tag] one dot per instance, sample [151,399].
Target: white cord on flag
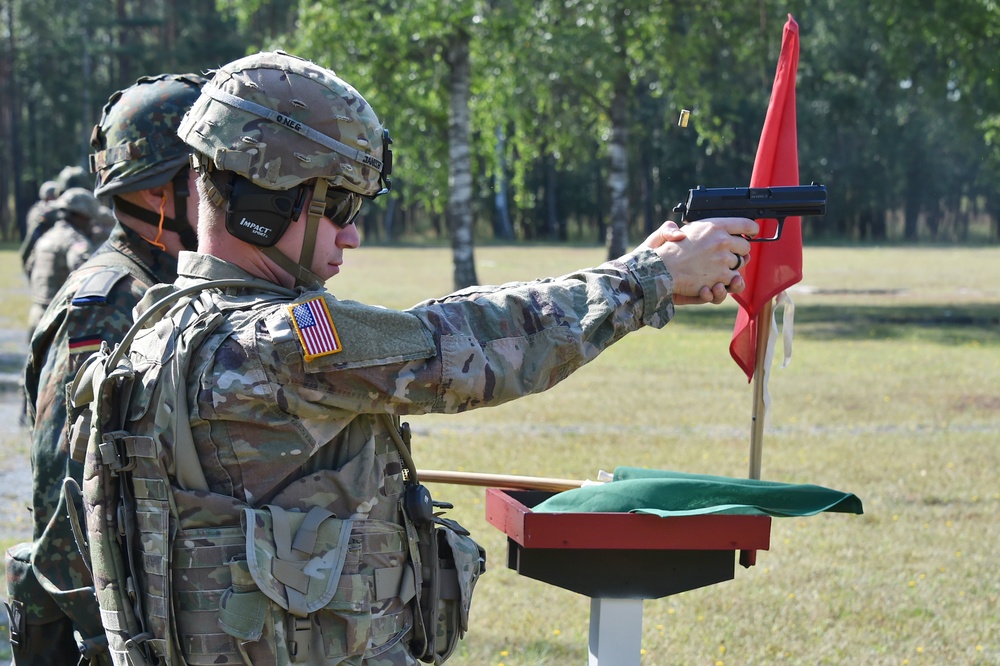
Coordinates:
[783,301]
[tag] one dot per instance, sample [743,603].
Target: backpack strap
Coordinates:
[81,389]
[159,306]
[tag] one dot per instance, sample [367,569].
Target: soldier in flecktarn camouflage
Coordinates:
[270,407]
[142,164]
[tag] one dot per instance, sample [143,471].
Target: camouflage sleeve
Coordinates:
[68,334]
[64,338]
[480,346]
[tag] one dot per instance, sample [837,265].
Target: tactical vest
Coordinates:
[184,575]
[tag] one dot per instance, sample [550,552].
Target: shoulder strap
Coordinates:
[156,308]
[115,257]
[96,288]
[81,389]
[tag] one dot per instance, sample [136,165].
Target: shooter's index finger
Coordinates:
[737,226]
[667,232]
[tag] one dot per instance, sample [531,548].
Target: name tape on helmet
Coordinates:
[293,125]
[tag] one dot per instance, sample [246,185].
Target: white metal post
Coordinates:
[615,632]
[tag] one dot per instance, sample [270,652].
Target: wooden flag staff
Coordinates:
[748,558]
[760,388]
[512,481]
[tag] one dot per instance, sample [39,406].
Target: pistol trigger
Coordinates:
[777,233]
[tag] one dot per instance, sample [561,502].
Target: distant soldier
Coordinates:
[142,166]
[62,249]
[74,176]
[49,191]
[41,216]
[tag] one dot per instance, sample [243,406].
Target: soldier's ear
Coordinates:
[153,197]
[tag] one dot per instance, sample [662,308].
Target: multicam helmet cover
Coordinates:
[80,201]
[279,121]
[49,190]
[136,140]
[72,176]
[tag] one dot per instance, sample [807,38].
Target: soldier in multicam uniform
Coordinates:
[142,164]
[273,404]
[48,191]
[59,237]
[41,216]
[60,250]
[47,195]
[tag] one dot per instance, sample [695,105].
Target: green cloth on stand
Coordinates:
[665,493]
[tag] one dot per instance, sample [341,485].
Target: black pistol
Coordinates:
[756,203]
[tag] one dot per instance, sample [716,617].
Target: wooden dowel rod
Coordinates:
[759,387]
[497,480]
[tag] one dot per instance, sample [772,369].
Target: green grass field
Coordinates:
[893,393]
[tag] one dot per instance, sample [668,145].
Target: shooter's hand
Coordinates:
[704,257]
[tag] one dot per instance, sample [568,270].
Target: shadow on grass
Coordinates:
[938,324]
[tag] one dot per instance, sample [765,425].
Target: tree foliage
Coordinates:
[59,63]
[571,105]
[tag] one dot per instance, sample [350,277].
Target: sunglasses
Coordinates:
[342,207]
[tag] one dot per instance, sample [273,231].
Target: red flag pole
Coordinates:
[777,265]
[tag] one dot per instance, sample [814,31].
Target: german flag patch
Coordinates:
[315,328]
[84,345]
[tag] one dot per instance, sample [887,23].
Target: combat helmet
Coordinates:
[271,126]
[79,201]
[72,176]
[48,190]
[137,147]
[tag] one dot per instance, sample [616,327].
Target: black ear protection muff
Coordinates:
[260,216]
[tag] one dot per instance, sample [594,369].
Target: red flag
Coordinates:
[777,265]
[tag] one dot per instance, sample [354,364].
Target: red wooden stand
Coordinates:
[619,559]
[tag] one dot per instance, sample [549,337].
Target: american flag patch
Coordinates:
[315,328]
[86,344]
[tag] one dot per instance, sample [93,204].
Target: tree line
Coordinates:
[556,120]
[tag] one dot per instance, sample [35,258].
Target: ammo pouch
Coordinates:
[29,604]
[450,564]
[314,589]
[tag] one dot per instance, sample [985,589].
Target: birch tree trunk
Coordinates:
[617,240]
[460,223]
[502,227]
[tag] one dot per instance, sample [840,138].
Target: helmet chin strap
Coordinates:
[179,224]
[304,277]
